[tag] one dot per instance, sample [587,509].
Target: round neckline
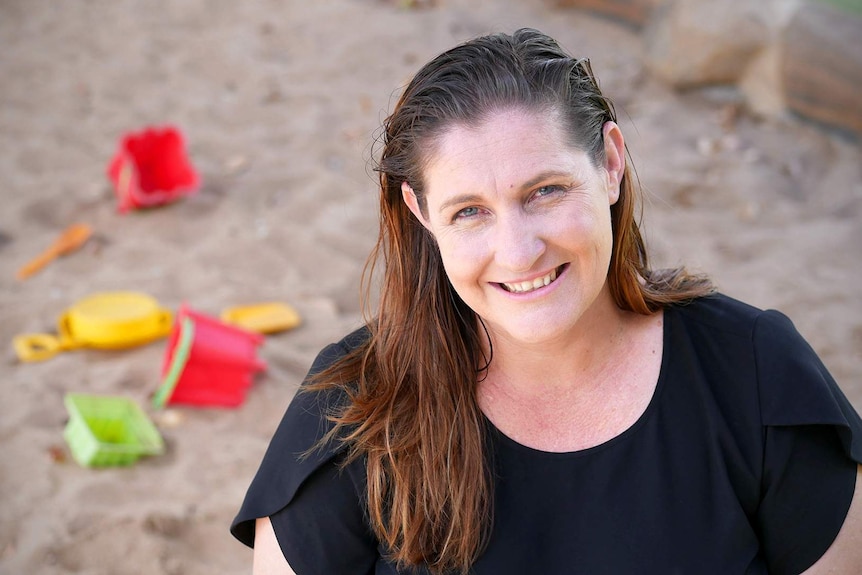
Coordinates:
[625,434]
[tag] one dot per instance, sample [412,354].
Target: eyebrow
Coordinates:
[469,198]
[457,200]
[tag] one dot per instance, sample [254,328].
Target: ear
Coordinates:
[615,159]
[409,197]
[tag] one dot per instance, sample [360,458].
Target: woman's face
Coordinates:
[522,221]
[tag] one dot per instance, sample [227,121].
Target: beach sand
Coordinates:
[280,102]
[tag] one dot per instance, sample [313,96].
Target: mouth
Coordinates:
[533,285]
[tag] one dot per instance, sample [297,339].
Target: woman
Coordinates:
[531,397]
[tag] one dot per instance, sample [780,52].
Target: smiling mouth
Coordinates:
[526,287]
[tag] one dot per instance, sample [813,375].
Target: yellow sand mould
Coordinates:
[267,317]
[109,320]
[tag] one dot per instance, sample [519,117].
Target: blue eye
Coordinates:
[467,212]
[548,190]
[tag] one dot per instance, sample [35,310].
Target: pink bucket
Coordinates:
[208,362]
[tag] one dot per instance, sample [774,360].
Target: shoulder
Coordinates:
[295,451]
[715,333]
[306,419]
[732,326]
[802,437]
[754,350]
[338,350]
[719,313]
[765,341]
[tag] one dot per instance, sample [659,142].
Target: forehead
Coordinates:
[506,148]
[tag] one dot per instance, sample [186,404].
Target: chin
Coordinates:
[532,335]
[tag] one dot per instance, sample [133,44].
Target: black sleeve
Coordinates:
[314,502]
[323,529]
[812,445]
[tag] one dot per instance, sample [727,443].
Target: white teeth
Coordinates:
[523,287]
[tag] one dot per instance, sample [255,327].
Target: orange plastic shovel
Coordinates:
[71,239]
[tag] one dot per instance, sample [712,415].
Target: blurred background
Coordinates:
[743,120]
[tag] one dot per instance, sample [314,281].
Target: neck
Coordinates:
[570,364]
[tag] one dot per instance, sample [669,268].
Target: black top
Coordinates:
[743,463]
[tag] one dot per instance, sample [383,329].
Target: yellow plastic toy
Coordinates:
[267,317]
[109,320]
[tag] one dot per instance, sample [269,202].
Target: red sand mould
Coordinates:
[151,168]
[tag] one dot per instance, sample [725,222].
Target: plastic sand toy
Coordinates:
[67,242]
[268,317]
[207,362]
[105,431]
[151,168]
[109,320]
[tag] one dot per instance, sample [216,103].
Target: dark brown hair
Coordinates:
[411,409]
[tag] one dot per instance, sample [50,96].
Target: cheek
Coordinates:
[580,228]
[603,238]
[594,220]
[586,234]
[463,257]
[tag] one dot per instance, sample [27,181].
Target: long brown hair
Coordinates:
[411,410]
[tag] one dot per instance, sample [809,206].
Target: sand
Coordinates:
[280,102]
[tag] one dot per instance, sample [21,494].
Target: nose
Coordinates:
[517,244]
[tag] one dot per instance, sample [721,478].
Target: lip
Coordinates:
[559,269]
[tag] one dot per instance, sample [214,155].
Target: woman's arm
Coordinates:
[844,556]
[268,558]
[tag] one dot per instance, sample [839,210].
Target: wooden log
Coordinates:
[693,43]
[632,12]
[821,66]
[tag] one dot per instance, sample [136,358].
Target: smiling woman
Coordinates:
[532,397]
[537,227]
